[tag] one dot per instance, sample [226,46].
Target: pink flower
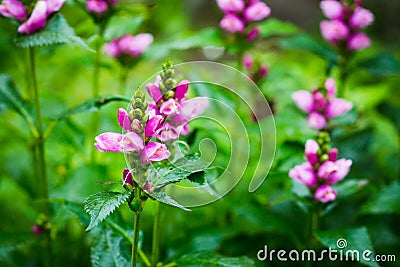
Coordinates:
[334,172]
[333,154]
[135,45]
[304,173]
[263,71]
[232,24]
[334,30]
[361,18]
[13,9]
[231,5]
[325,193]
[124,120]
[311,152]
[253,34]
[37,20]
[332,9]
[115,142]
[112,48]
[337,107]
[319,100]
[330,86]
[358,41]
[170,107]
[54,6]
[154,91]
[316,120]
[167,133]
[152,109]
[37,230]
[153,124]
[97,6]
[248,61]
[190,109]
[154,151]
[181,90]
[132,142]
[304,100]
[127,176]
[256,12]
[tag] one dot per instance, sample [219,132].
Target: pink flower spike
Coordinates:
[257,12]
[154,151]
[358,41]
[54,6]
[232,23]
[97,6]
[13,9]
[337,107]
[333,154]
[304,100]
[361,18]
[181,90]
[135,45]
[127,176]
[304,173]
[248,61]
[327,169]
[325,194]
[253,34]
[153,125]
[36,21]
[154,91]
[316,120]
[191,109]
[132,142]
[332,9]
[311,152]
[342,169]
[167,133]
[112,48]
[330,86]
[124,120]
[334,30]
[230,5]
[108,142]
[170,107]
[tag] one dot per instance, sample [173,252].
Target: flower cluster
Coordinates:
[345,24]
[322,104]
[254,68]
[147,125]
[41,11]
[322,168]
[128,47]
[239,14]
[100,7]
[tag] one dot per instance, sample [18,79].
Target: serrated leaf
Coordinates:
[91,105]
[164,198]
[306,43]
[386,202]
[354,239]
[271,27]
[11,99]
[121,25]
[212,259]
[109,249]
[381,65]
[102,204]
[56,31]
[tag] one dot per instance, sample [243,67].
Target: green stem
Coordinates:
[314,223]
[171,264]
[156,235]
[136,227]
[123,80]
[40,150]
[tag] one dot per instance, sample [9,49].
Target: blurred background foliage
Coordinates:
[241,223]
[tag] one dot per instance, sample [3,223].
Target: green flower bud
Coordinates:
[170,83]
[324,158]
[134,205]
[169,94]
[169,73]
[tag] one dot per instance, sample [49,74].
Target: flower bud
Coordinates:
[169,94]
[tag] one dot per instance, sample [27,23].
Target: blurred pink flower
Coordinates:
[256,12]
[133,46]
[54,6]
[248,61]
[231,5]
[112,48]
[97,6]
[334,30]
[232,24]
[304,173]
[330,86]
[333,154]
[304,100]
[316,120]
[332,9]
[311,152]
[253,34]
[337,107]
[358,41]
[361,18]
[13,9]
[334,172]
[325,193]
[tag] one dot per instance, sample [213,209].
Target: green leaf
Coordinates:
[109,249]
[120,25]
[272,27]
[349,187]
[381,65]
[212,259]
[386,202]
[11,99]
[306,43]
[57,31]
[164,198]
[357,239]
[91,105]
[102,204]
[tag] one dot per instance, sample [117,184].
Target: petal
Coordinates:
[108,142]
[343,168]
[132,142]
[316,121]
[325,193]
[170,107]
[256,12]
[14,9]
[181,90]
[54,6]
[231,5]
[231,23]
[332,9]
[304,173]
[167,133]
[154,91]
[330,86]
[127,176]
[154,151]
[190,109]
[337,107]
[327,169]
[37,20]
[153,124]
[311,151]
[304,100]
[124,120]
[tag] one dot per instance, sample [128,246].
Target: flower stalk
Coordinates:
[136,224]
[155,251]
